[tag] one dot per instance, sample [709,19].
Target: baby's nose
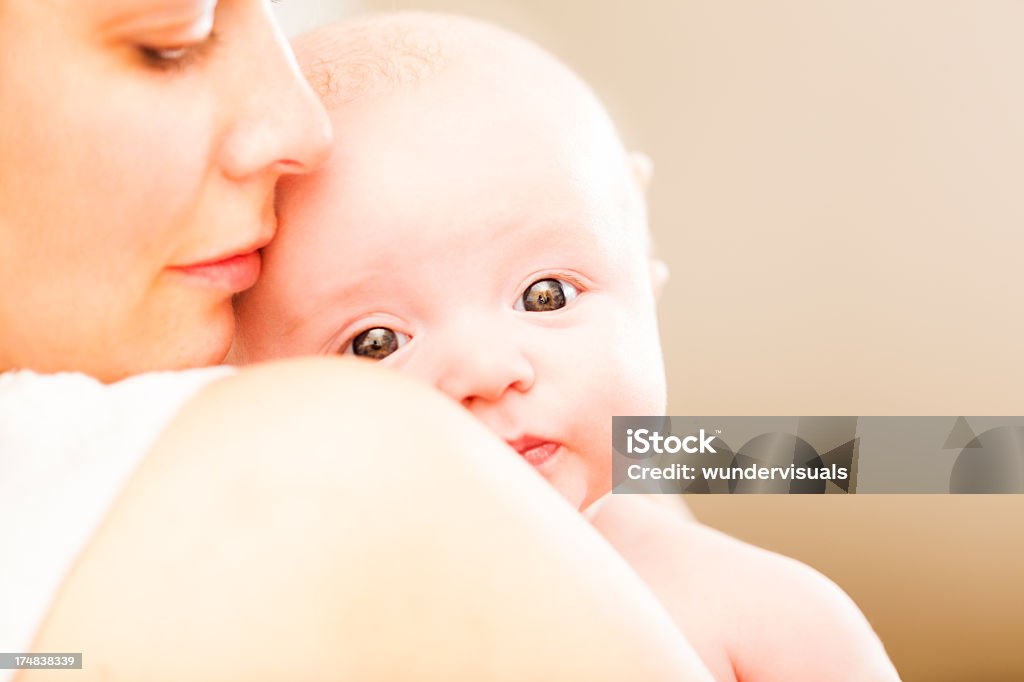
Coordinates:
[484,369]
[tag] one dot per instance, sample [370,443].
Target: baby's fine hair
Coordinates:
[376,54]
[379,53]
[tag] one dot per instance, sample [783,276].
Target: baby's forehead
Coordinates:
[439,117]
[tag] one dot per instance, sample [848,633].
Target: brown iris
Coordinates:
[543,295]
[376,343]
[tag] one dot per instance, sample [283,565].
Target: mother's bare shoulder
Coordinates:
[323,519]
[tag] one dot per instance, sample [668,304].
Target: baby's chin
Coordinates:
[574,485]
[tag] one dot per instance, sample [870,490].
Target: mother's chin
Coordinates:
[172,336]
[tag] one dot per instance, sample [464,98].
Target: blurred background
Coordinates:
[839,193]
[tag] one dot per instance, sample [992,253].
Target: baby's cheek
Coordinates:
[635,366]
[624,376]
[616,369]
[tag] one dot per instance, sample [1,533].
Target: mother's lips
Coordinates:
[234,273]
[536,451]
[235,270]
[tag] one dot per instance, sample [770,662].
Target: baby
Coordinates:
[481,226]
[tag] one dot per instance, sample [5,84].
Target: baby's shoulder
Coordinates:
[777,618]
[793,623]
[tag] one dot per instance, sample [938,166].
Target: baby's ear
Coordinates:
[643,169]
[659,276]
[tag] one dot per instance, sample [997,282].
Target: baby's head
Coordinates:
[480,226]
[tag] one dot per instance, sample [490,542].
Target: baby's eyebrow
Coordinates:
[295,317]
[330,302]
[292,323]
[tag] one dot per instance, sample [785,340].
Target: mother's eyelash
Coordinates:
[177,58]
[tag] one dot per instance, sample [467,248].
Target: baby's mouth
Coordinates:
[536,451]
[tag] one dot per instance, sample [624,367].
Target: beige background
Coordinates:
[839,193]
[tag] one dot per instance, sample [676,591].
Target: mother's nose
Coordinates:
[277,121]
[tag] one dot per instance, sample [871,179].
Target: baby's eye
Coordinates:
[546,294]
[378,342]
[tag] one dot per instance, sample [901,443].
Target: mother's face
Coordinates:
[139,145]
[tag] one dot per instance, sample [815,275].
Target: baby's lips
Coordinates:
[534,450]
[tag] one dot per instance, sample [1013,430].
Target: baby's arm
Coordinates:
[799,625]
[751,614]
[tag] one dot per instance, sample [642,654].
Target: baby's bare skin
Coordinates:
[749,613]
[481,227]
